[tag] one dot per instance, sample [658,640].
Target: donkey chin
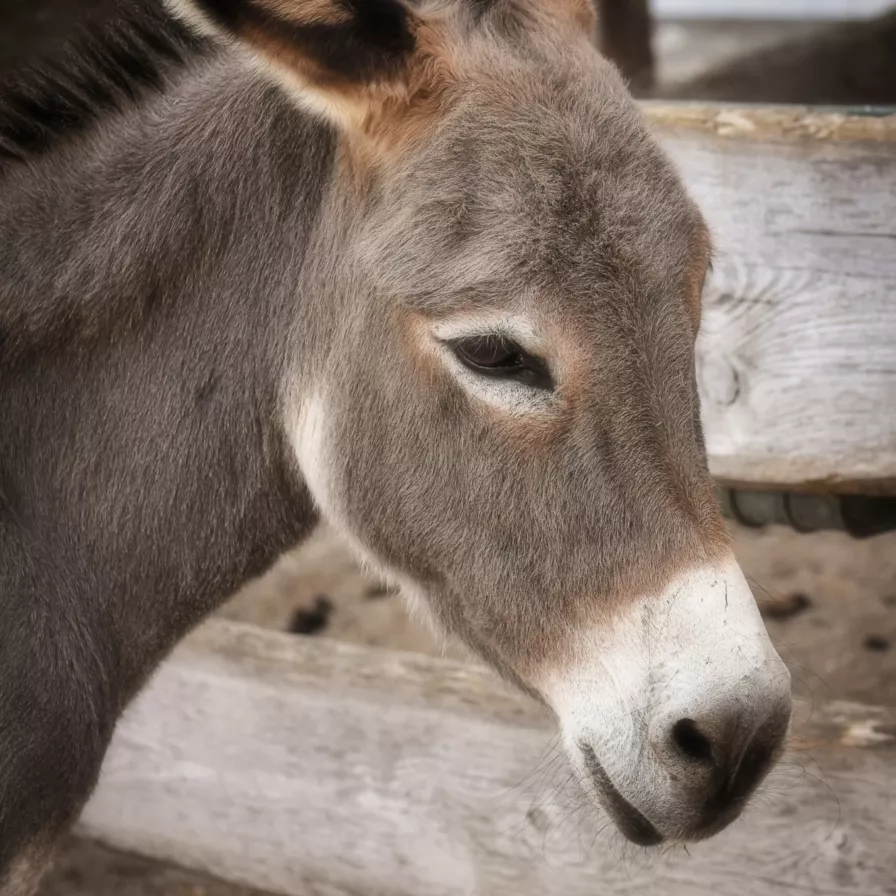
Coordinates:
[675,711]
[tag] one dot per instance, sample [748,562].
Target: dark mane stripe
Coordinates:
[101,70]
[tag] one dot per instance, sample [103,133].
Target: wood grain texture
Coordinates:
[797,355]
[312,767]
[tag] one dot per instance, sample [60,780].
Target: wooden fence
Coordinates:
[311,767]
[797,358]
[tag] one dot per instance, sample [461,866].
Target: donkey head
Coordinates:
[492,393]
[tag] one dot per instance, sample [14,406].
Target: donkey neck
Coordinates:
[151,272]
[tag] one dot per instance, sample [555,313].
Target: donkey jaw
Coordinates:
[674,713]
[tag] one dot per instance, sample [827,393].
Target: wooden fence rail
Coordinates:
[797,358]
[311,767]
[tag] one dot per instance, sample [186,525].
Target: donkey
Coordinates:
[419,271]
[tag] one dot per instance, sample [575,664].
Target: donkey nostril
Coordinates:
[691,740]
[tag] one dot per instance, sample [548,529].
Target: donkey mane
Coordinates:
[101,69]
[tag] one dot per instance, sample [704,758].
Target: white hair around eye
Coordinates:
[510,394]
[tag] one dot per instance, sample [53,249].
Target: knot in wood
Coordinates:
[719,380]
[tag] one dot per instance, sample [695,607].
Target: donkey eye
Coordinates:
[500,357]
[492,352]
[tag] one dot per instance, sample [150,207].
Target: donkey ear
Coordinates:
[340,55]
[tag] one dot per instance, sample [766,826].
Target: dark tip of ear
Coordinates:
[225,14]
[366,39]
[382,28]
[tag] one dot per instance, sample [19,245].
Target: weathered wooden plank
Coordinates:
[797,357]
[310,767]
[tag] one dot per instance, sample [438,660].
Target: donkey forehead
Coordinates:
[545,185]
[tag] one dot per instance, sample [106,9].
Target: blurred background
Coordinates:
[777,51]
[830,601]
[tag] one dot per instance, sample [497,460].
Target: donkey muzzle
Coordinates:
[675,713]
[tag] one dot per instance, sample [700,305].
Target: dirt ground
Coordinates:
[830,601]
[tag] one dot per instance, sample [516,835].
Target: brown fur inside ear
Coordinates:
[378,67]
[373,66]
[328,41]
[308,12]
